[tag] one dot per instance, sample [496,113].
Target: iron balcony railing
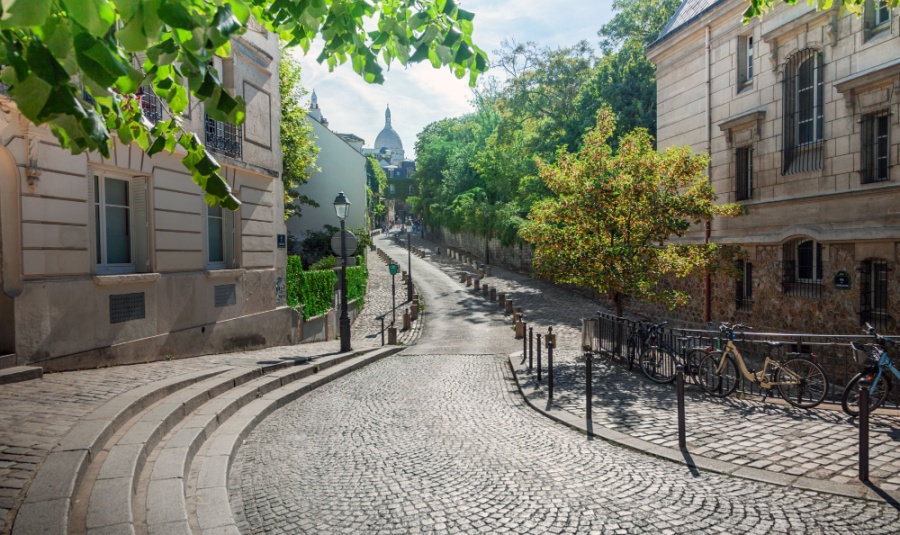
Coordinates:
[151,106]
[224,138]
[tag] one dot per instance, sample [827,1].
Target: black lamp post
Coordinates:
[341,207]
[408,267]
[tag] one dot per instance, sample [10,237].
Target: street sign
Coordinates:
[336,242]
[393,268]
[351,261]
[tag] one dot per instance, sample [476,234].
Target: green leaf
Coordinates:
[462,14]
[158,145]
[420,54]
[96,16]
[24,13]
[225,24]
[31,95]
[418,20]
[177,16]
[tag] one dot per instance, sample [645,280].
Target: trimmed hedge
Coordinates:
[294,272]
[357,278]
[317,292]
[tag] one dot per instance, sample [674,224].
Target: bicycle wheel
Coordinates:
[806,384]
[658,365]
[718,383]
[631,353]
[692,360]
[850,397]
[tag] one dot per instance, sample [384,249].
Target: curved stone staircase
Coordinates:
[155,460]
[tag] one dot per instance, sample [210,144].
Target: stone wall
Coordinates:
[516,257]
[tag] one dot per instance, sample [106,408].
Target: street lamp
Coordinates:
[341,207]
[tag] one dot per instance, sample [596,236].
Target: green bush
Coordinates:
[294,274]
[357,278]
[326,262]
[317,292]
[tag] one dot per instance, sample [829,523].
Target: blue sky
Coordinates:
[419,95]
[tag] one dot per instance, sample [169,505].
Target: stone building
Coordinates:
[800,113]
[388,150]
[119,260]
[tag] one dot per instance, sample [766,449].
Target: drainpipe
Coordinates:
[708,151]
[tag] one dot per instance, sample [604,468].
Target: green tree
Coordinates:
[610,223]
[376,186]
[51,49]
[758,8]
[297,140]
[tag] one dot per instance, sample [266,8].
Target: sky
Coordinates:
[419,94]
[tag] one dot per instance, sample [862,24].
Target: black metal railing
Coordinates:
[833,352]
[803,97]
[873,294]
[875,147]
[151,106]
[224,138]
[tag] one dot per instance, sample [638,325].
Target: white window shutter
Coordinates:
[140,225]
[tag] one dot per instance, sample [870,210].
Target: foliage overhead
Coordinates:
[758,8]
[609,224]
[297,139]
[57,53]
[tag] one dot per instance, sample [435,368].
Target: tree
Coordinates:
[297,140]
[610,223]
[758,8]
[376,186]
[57,53]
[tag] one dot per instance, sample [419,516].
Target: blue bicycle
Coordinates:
[875,362]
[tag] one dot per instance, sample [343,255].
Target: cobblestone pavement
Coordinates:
[820,443]
[445,444]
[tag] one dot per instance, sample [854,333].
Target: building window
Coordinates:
[802,268]
[882,12]
[804,115]
[875,147]
[873,292]
[392,189]
[744,285]
[219,237]
[876,18]
[744,173]
[224,138]
[112,225]
[745,61]
[151,106]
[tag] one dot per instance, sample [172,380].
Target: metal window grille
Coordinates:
[224,138]
[804,112]
[744,173]
[802,268]
[225,295]
[126,307]
[873,293]
[744,285]
[150,105]
[875,147]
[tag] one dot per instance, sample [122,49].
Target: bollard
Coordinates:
[509,306]
[493,294]
[382,330]
[550,337]
[530,349]
[539,358]
[550,372]
[407,324]
[487,271]
[679,393]
[524,343]
[520,329]
[462,276]
[864,385]
[501,299]
[392,335]
[414,311]
[485,290]
[588,386]
[476,283]
[468,280]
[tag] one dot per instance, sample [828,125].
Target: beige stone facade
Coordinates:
[109,261]
[800,112]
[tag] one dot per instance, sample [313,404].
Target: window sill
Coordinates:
[129,278]
[224,273]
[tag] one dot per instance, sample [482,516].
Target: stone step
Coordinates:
[7,361]
[18,374]
[50,496]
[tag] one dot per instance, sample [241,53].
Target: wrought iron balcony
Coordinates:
[150,105]
[224,138]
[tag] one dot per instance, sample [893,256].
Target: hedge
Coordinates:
[315,289]
[294,272]
[357,277]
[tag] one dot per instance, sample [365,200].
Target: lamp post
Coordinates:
[393,268]
[409,292]
[341,207]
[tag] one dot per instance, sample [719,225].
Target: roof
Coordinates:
[389,139]
[687,12]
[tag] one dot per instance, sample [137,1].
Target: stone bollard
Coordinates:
[481,273]
[517,316]
[407,322]
[508,306]
[517,310]
[476,282]
[403,276]
[414,311]
[462,276]
[487,270]
[493,294]
[501,300]
[520,330]
[468,280]
[392,336]
[485,290]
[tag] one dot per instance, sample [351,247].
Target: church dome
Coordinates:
[388,138]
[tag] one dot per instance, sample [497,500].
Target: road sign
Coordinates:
[336,242]
[351,261]
[393,268]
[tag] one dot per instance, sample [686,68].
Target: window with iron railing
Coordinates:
[744,285]
[151,106]
[802,268]
[875,147]
[804,117]
[224,138]
[873,292]
[743,173]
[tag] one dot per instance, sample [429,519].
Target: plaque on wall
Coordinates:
[842,280]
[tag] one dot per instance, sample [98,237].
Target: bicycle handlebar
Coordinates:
[878,338]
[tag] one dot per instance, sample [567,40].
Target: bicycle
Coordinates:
[875,362]
[659,361]
[800,380]
[637,341]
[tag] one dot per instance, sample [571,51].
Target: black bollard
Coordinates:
[679,393]
[864,385]
[539,358]
[550,370]
[382,330]
[530,349]
[524,343]
[588,384]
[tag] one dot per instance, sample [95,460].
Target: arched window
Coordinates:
[803,112]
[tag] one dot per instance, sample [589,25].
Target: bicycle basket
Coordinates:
[865,355]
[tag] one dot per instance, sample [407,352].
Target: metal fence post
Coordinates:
[524,343]
[864,385]
[550,370]
[588,386]
[679,388]
[530,349]
[539,358]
